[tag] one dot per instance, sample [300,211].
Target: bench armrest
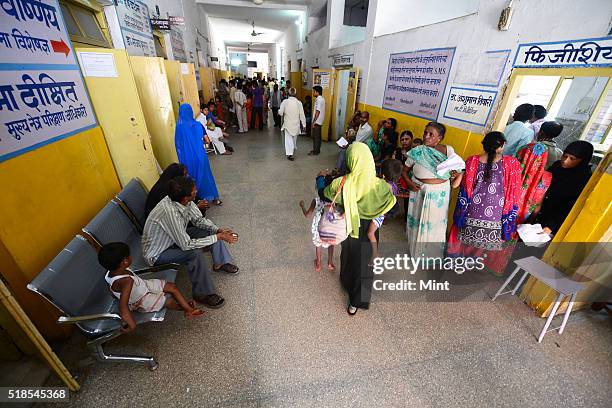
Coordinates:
[158,268]
[77,319]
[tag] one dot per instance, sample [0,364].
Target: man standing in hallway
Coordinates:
[258,102]
[292,112]
[167,238]
[317,119]
[276,102]
[364,133]
[241,113]
[232,93]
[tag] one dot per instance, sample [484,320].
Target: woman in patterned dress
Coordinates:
[487,207]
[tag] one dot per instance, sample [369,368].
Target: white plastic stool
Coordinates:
[553,279]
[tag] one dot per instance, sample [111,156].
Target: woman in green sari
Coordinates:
[364,197]
[429,193]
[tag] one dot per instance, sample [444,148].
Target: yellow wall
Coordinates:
[152,84]
[49,194]
[207,80]
[122,120]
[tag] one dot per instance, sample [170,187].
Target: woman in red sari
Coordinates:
[487,207]
[535,180]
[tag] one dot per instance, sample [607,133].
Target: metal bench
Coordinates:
[111,224]
[133,200]
[550,277]
[74,283]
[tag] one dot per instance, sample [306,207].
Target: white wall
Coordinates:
[418,13]
[564,20]
[340,34]
[184,8]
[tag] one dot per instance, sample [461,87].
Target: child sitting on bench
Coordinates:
[135,293]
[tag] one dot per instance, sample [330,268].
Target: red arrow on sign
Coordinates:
[60,46]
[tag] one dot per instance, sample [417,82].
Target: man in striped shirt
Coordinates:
[167,239]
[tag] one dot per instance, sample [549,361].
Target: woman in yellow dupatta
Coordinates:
[364,197]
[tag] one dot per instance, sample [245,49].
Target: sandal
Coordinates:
[351,310]
[217,202]
[227,268]
[213,301]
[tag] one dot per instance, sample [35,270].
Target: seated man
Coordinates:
[167,239]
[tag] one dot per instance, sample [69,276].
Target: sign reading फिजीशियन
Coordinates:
[416,81]
[590,52]
[42,94]
[135,28]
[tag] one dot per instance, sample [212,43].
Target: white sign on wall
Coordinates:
[42,94]
[590,52]
[416,81]
[136,28]
[469,105]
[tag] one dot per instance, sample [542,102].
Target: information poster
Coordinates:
[470,105]
[42,94]
[322,79]
[136,28]
[416,81]
[178,45]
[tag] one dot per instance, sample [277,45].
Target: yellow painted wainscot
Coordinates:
[49,194]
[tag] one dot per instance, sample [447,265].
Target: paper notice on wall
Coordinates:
[184,68]
[322,79]
[416,81]
[98,64]
[481,69]
[42,94]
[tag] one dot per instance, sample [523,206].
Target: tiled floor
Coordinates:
[284,338]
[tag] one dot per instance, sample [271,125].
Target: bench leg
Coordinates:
[567,312]
[499,292]
[97,349]
[550,316]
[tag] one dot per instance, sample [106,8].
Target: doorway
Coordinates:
[578,98]
[340,107]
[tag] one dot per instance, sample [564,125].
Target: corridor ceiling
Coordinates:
[232,20]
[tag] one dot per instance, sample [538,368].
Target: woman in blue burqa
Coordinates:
[190,151]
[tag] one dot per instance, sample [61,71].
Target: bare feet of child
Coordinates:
[331,267]
[193,311]
[317,264]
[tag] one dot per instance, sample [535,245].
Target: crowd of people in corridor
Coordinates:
[520,177]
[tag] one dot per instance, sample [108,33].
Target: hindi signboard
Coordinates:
[590,52]
[42,94]
[178,45]
[416,81]
[160,23]
[469,105]
[135,27]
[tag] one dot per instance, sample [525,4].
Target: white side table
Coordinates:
[553,279]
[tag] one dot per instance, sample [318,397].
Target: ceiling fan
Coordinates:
[254,33]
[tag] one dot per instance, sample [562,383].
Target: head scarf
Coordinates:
[364,196]
[160,189]
[568,183]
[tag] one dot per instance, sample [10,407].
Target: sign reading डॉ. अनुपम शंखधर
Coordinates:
[42,94]
[416,81]
[469,105]
[135,26]
[589,52]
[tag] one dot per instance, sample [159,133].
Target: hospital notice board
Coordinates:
[416,81]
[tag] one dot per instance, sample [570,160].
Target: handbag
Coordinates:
[332,225]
